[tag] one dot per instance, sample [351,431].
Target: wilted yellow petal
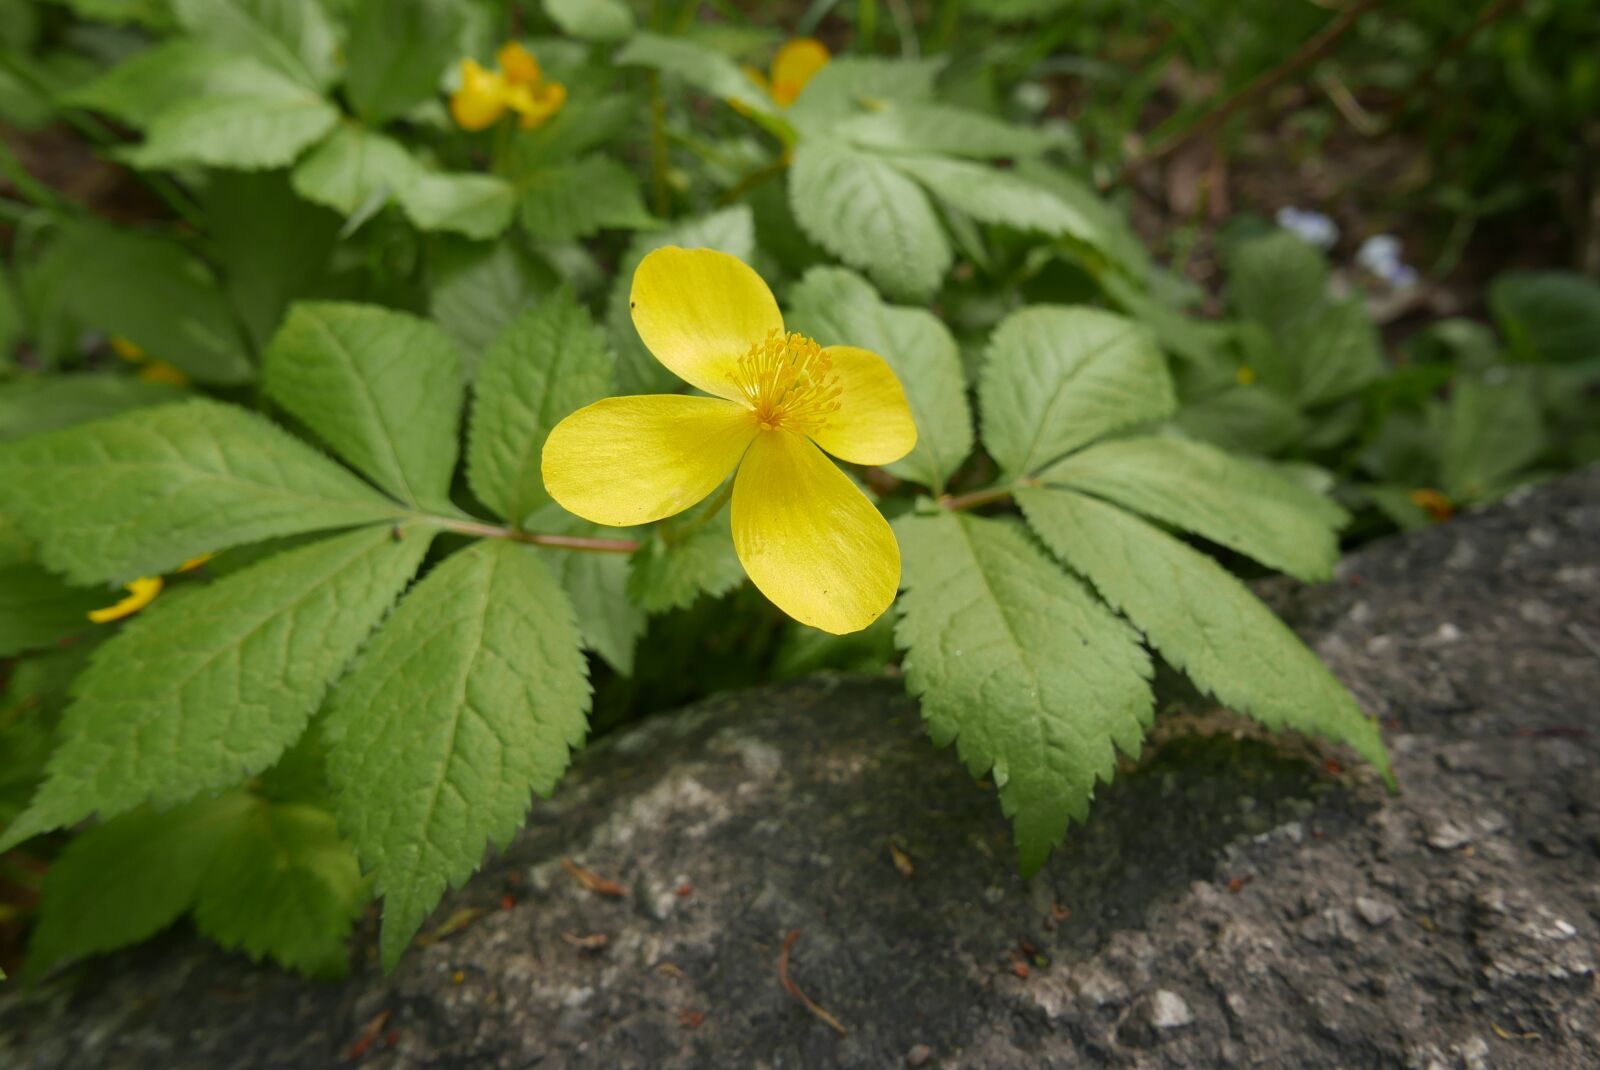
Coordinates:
[625,461]
[873,423]
[699,311]
[809,539]
[518,64]
[796,63]
[141,592]
[481,99]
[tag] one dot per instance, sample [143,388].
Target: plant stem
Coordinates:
[560,542]
[753,179]
[710,511]
[955,503]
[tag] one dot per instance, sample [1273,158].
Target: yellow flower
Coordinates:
[796,63]
[519,85]
[141,592]
[807,537]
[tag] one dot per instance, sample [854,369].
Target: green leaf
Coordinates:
[1487,434]
[929,127]
[153,81]
[1244,419]
[597,584]
[283,885]
[471,696]
[139,494]
[1021,667]
[199,692]
[1202,620]
[690,556]
[705,69]
[125,880]
[30,711]
[730,231]
[850,83]
[254,118]
[1548,316]
[397,52]
[156,295]
[550,362]
[477,290]
[295,37]
[37,608]
[1336,354]
[47,402]
[382,388]
[156,14]
[478,206]
[866,212]
[1277,281]
[838,307]
[1056,379]
[352,169]
[993,196]
[591,20]
[575,200]
[1234,502]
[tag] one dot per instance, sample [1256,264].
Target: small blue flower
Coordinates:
[1313,228]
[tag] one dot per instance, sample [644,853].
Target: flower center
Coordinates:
[789,382]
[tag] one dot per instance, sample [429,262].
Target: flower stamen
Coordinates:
[789,382]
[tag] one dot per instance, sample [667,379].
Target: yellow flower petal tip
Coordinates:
[518,64]
[195,562]
[808,538]
[480,99]
[141,592]
[159,371]
[518,85]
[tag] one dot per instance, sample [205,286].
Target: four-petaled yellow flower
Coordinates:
[809,539]
[519,85]
[141,592]
[796,63]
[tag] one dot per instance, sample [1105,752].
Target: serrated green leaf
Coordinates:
[352,169]
[838,307]
[1549,316]
[397,52]
[575,200]
[680,563]
[597,584]
[865,211]
[295,37]
[1244,419]
[730,231]
[254,118]
[930,127]
[1202,620]
[550,362]
[1056,379]
[477,290]
[1232,501]
[1335,354]
[30,711]
[1277,281]
[199,692]
[125,880]
[140,493]
[38,608]
[850,83]
[1021,667]
[993,196]
[283,885]
[471,697]
[382,388]
[47,402]
[143,86]
[155,294]
[591,20]
[478,206]
[1486,434]
[703,68]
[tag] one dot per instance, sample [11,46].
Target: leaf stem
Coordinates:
[988,496]
[584,543]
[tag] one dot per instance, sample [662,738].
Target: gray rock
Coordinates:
[1317,924]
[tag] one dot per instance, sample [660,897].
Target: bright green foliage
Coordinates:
[1337,354]
[1202,619]
[1021,667]
[577,199]
[701,67]
[352,169]
[161,77]
[1248,419]
[29,406]
[283,885]
[991,196]
[37,608]
[675,566]
[269,878]
[382,388]
[863,209]
[155,294]
[478,289]
[470,698]
[838,307]
[295,37]
[1058,378]
[477,206]
[849,84]
[1277,281]
[550,362]
[202,691]
[396,53]
[30,710]
[597,585]
[1237,503]
[591,20]
[188,479]
[925,126]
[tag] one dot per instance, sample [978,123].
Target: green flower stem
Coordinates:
[559,542]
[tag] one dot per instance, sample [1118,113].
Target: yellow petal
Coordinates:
[126,349]
[796,63]
[873,424]
[141,592]
[518,64]
[699,311]
[481,98]
[195,562]
[809,539]
[536,104]
[625,461]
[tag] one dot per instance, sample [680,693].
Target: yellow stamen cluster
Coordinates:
[789,382]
